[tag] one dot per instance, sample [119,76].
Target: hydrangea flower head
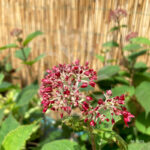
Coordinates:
[60,91]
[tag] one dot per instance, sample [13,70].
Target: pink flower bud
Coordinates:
[109,93]
[92,123]
[84,85]
[92,83]
[100,101]
[88,98]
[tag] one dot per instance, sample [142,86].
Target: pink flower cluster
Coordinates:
[117,14]
[60,91]
[131,35]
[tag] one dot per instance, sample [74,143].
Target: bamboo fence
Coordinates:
[73,29]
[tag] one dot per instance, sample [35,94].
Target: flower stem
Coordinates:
[92,139]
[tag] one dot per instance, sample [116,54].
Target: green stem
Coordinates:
[92,138]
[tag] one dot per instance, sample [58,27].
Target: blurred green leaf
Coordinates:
[132,47]
[140,66]
[31,36]
[61,145]
[121,79]
[23,54]
[27,94]
[4,86]
[110,44]
[8,125]
[142,93]
[114,28]
[134,55]
[16,139]
[101,58]
[8,67]
[107,71]
[141,40]
[1,115]
[140,77]
[1,77]
[139,146]
[12,45]
[142,123]
[35,60]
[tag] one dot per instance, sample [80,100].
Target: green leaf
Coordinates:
[110,44]
[142,93]
[16,139]
[107,71]
[8,67]
[139,77]
[27,94]
[114,28]
[101,58]
[4,86]
[121,79]
[139,146]
[107,125]
[12,45]
[111,136]
[123,89]
[134,55]
[8,125]
[141,40]
[142,123]
[31,36]
[1,115]
[35,60]
[1,77]
[140,66]
[132,47]
[61,145]
[23,54]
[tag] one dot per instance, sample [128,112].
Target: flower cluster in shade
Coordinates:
[117,14]
[131,35]
[60,91]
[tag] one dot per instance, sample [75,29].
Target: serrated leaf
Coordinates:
[123,89]
[111,136]
[111,44]
[61,145]
[23,54]
[35,60]
[101,58]
[27,94]
[134,55]
[107,71]
[107,125]
[141,40]
[139,146]
[8,125]
[142,94]
[132,47]
[12,45]
[142,123]
[17,138]
[31,36]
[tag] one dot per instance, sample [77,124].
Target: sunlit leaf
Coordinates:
[31,36]
[12,45]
